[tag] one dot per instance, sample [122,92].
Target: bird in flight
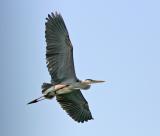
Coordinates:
[65,85]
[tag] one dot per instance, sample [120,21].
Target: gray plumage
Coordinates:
[59,51]
[59,55]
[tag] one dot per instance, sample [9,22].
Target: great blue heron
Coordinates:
[64,84]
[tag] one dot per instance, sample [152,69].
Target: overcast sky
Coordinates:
[117,41]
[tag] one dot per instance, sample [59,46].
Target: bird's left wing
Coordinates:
[75,105]
[59,51]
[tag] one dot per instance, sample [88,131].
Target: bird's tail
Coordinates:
[45,86]
[37,100]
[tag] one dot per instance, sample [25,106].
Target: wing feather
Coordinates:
[59,51]
[75,105]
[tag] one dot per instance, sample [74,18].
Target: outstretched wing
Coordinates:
[59,51]
[75,105]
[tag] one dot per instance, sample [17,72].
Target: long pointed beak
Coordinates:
[98,81]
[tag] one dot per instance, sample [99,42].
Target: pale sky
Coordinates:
[117,41]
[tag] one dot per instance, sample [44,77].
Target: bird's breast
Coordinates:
[58,89]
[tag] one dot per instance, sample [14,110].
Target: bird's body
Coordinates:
[64,89]
[65,85]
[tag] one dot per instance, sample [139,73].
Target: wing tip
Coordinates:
[55,24]
[53,15]
[81,117]
[84,120]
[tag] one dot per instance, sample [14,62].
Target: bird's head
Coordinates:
[91,81]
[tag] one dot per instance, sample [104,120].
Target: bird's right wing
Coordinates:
[75,105]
